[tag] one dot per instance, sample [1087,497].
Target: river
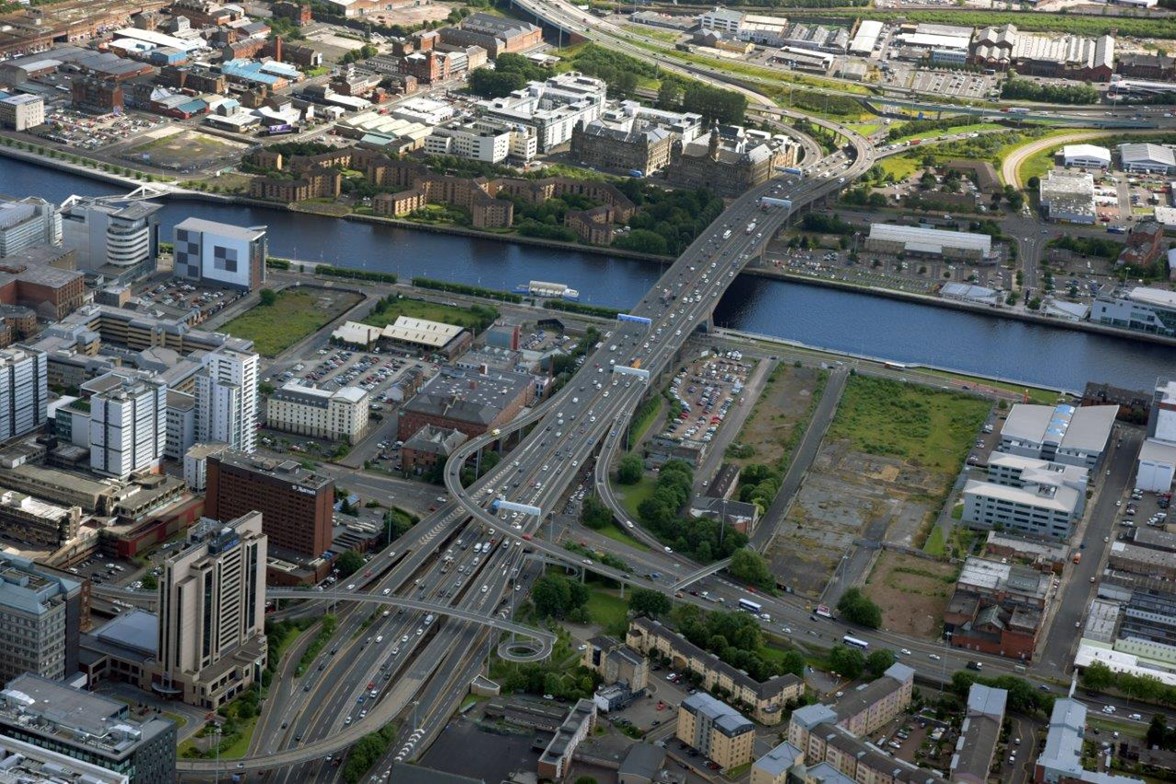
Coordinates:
[812,315]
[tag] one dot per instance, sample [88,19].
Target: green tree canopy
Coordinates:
[349,563]
[630,469]
[645,601]
[751,567]
[856,607]
[847,662]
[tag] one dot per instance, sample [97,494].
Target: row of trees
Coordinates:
[1026,90]
[667,221]
[1099,677]
[736,639]
[856,607]
[1098,247]
[620,72]
[511,72]
[852,663]
[714,103]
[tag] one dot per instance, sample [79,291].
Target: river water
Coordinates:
[812,315]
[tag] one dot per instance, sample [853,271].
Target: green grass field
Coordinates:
[898,166]
[934,544]
[955,129]
[431,311]
[296,314]
[927,427]
[608,610]
[632,495]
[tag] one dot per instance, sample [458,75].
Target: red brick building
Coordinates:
[297,13]
[997,608]
[296,504]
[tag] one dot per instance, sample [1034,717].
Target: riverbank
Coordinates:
[966,307]
[173,194]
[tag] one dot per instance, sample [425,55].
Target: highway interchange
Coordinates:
[397,662]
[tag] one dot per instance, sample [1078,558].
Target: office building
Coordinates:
[766,698]
[1086,156]
[117,236]
[21,112]
[1147,158]
[1139,308]
[889,238]
[128,424]
[1060,762]
[181,424]
[220,253]
[1027,495]
[341,415]
[1157,457]
[296,503]
[40,620]
[472,403]
[212,643]
[24,763]
[556,759]
[226,398]
[196,464]
[89,728]
[1068,197]
[718,731]
[27,519]
[28,223]
[24,391]
[1060,434]
[723,20]
[979,735]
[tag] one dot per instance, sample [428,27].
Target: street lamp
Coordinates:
[216,734]
[415,703]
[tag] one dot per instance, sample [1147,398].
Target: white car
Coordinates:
[905,652]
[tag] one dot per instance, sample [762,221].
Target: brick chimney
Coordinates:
[278,48]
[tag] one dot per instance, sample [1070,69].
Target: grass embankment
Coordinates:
[609,610]
[969,127]
[296,314]
[931,428]
[430,311]
[613,531]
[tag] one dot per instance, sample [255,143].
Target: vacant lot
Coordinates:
[297,313]
[924,427]
[769,433]
[884,469]
[186,151]
[912,593]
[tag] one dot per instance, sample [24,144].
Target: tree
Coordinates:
[595,514]
[150,582]
[847,662]
[878,662]
[631,469]
[645,601]
[1157,731]
[555,596]
[750,567]
[856,607]
[1097,677]
[349,563]
[268,297]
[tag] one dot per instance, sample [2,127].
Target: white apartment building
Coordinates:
[212,643]
[27,223]
[21,112]
[128,425]
[1027,495]
[226,399]
[318,413]
[24,391]
[552,108]
[484,140]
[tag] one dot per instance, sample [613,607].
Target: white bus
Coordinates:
[854,642]
[752,607]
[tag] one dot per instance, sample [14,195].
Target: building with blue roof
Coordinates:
[773,767]
[1060,434]
[1061,760]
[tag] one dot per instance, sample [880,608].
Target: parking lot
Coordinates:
[89,132]
[176,298]
[706,390]
[950,82]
